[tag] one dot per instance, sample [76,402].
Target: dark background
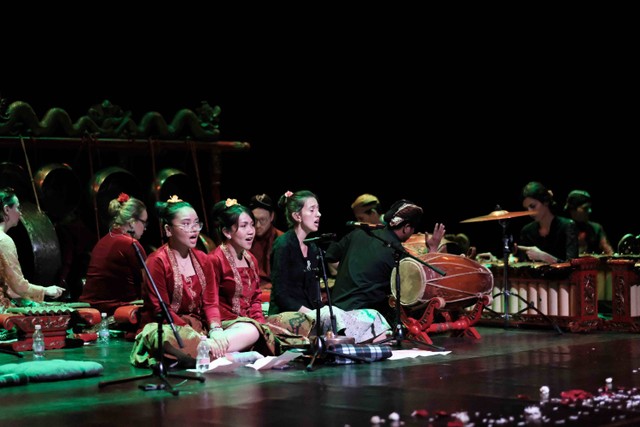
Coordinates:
[457,127]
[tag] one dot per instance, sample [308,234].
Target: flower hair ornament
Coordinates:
[288,194]
[230,202]
[123,198]
[174,199]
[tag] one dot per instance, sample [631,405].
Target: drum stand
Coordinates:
[507,241]
[319,345]
[159,370]
[399,332]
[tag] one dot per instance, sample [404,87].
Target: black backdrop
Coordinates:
[458,138]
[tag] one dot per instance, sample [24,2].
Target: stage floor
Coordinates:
[495,380]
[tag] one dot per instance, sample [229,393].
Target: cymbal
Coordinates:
[499,215]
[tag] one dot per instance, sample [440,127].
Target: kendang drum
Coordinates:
[464,282]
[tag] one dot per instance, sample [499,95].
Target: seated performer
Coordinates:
[366,208]
[235,270]
[184,278]
[364,265]
[295,272]
[591,236]
[548,238]
[266,232]
[114,275]
[13,284]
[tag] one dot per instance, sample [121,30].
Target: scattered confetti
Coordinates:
[420,413]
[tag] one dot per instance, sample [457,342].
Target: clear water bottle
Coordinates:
[204,357]
[38,343]
[103,330]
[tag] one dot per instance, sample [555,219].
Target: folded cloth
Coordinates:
[368,352]
[53,370]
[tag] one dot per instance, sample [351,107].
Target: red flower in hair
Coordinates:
[123,198]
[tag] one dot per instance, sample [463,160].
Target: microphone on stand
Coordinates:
[364,225]
[321,238]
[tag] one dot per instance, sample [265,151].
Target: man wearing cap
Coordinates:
[264,213]
[591,236]
[365,263]
[366,208]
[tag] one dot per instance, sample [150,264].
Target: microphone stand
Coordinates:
[158,370]
[319,343]
[334,327]
[399,334]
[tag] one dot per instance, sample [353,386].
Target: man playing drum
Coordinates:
[363,279]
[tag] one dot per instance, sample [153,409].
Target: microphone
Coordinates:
[364,225]
[321,238]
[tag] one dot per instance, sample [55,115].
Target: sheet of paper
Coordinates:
[404,354]
[270,362]
[219,365]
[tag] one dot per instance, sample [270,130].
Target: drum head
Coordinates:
[58,190]
[412,281]
[464,281]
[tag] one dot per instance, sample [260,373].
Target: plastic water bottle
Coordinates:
[38,343]
[544,394]
[204,358]
[103,330]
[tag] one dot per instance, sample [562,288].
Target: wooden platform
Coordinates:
[495,377]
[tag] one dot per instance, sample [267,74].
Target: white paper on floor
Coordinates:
[406,354]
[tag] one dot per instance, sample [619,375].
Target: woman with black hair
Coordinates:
[548,238]
[237,279]
[13,284]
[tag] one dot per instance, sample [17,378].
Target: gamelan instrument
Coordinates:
[570,293]
[464,283]
[425,293]
[55,318]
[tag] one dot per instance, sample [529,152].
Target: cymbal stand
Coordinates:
[507,241]
[399,333]
[319,344]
